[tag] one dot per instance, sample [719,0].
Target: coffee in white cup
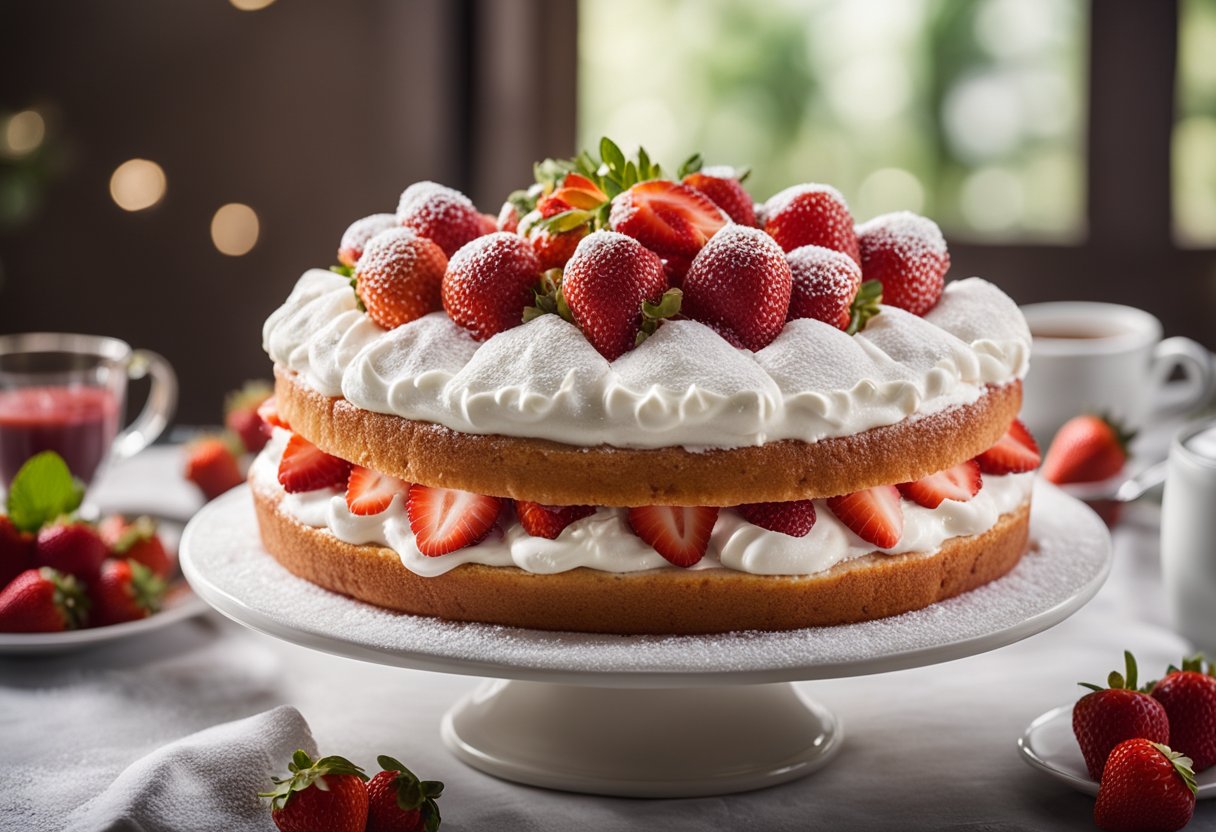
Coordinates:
[1090,357]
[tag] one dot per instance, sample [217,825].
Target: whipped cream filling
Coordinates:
[683,386]
[604,540]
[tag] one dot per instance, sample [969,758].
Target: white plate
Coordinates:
[181,604]
[1049,746]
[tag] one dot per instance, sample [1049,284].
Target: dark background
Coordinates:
[316,113]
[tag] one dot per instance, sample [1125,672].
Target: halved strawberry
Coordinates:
[441,214]
[305,467]
[548,521]
[668,218]
[269,411]
[1014,453]
[804,215]
[795,518]
[722,186]
[678,533]
[874,515]
[489,282]
[370,492]
[960,483]
[444,519]
[577,192]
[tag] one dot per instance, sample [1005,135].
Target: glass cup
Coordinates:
[1188,535]
[67,393]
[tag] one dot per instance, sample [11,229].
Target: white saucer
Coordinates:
[181,604]
[1049,746]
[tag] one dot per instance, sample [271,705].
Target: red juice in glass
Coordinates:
[76,421]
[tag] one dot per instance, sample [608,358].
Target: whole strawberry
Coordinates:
[825,283]
[399,276]
[16,551]
[242,418]
[325,796]
[42,601]
[440,214]
[906,253]
[211,464]
[604,285]
[138,541]
[350,249]
[724,186]
[71,547]
[126,590]
[1146,787]
[1108,716]
[1088,448]
[489,283]
[554,249]
[1189,698]
[811,215]
[399,802]
[740,285]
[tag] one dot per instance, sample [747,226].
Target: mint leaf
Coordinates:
[42,490]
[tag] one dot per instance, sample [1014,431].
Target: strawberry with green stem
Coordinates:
[136,540]
[1188,695]
[43,601]
[1108,716]
[125,590]
[323,796]
[399,802]
[1145,787]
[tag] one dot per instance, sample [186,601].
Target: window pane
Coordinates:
[968,111]
[1194,152]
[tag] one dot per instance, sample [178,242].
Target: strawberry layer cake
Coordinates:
[641,403]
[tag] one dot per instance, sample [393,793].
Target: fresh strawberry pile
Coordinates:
[1134,738]
[333,794]
[615,246]
[59,573]
[444,519]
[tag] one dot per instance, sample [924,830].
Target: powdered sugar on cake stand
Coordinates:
[614,714]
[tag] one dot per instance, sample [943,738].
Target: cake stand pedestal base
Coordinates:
[645,742]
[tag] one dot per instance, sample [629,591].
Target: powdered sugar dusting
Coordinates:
[355,238]
[1069,559]
[910,235]
[431,197]
[780,200]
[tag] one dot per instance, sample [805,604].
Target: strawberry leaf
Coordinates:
[690,165]
[611,154]
[345,271]
[43,489]
[864,306]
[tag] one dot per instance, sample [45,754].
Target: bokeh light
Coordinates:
[234,229]
[138,184]
[22,134]
[250,5]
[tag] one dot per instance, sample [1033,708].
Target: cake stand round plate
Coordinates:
[614,714]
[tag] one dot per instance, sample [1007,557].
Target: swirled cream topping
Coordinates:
[604,540]
[683,386]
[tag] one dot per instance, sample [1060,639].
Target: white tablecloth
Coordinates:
[931,748]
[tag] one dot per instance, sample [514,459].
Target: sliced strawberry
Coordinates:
[489,283]
[795,518]
[269,411]
[357,235]
[907,254]
[875,515]
[678,533]
[811,215]
[441,214]
[444,519]
[370,492]
[724,188]
[960,483]
[548,521]
[1014,453]
[668,218]
[305,467]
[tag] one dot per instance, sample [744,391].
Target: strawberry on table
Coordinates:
[126,590]
[811,215]
[549,521]
[350,249]
[370,492]
[399,276]
[241,415]
[724,186]
[1014,453]
[668,218]
[444,519]
[72,547]
[1088,448]
[489,283]
[138,541]
[1145,787]
[399,802]
[305,467]
[323,796]
[1189,698]
[1108,716]
[42,601]
[604,286]
[959,483]
[440,214]
[16,551]
[825,283]
[679,533]
[740,285]
[875,514]
[212,465]
[795,518]
[907,254]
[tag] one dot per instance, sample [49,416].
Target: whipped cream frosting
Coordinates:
[604,540]
[683,386]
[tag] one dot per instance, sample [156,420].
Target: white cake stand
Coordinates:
[646,716]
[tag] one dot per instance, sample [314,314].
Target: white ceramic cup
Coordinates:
[1188,535]
[1090,357]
